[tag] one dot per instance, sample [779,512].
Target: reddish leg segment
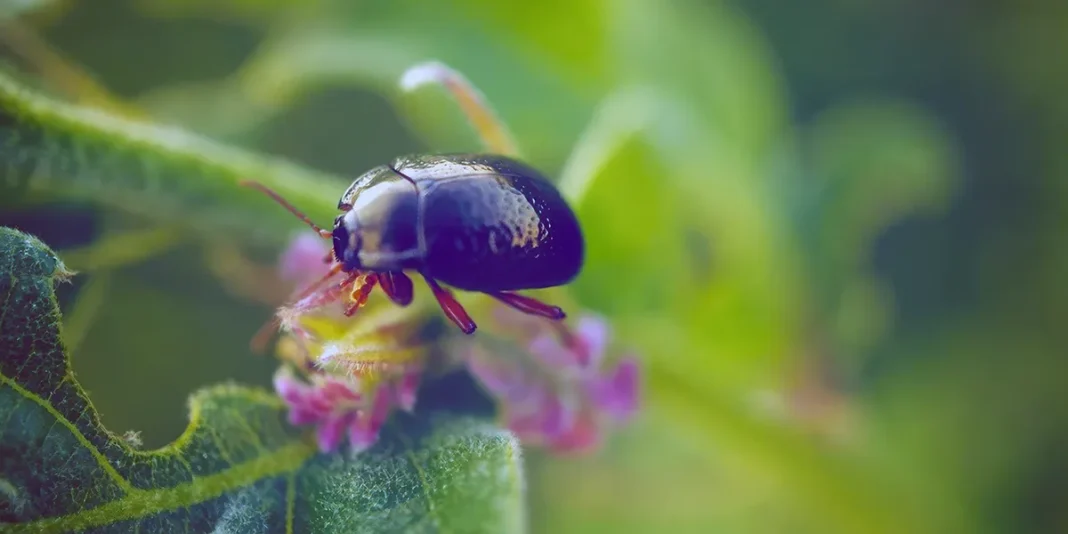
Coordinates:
[398,287]
[361,293]
[453,309]
[529,305]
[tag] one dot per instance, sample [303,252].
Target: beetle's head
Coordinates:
[347,241]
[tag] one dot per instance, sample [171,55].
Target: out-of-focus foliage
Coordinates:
[833,231]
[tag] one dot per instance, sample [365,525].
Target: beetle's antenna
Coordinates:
[263,335]
[259,341]
[285,204]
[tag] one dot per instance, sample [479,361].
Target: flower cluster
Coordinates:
[558,392]
[339,407]
[554,384]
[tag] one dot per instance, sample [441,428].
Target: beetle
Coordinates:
[482,223]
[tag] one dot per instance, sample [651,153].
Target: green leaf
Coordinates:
[680,238]
[9,9]
[880,160]
[166,174]
[238,467]
[877,162]
[299,62]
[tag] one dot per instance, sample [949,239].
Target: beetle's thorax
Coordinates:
[351,221]
[382,212]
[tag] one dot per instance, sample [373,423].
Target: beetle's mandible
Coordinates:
[476,222]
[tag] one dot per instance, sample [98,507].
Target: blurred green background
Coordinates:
[830,228]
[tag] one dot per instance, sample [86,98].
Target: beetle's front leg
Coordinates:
[362,284]
[494,134]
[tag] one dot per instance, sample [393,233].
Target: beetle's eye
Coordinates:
[341,240]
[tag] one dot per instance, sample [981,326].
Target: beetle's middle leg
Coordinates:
[529,305]
[398,287]
[452,308]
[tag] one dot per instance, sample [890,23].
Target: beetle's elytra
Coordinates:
[476,222]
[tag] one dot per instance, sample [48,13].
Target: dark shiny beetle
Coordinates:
[481,223]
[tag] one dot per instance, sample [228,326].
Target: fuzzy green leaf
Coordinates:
[238,467]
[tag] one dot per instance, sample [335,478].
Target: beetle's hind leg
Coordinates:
[453,309]
[529,305]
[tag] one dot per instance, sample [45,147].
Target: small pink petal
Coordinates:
[617,393]
[526,416]
[543,416]
[502,379]
[336,391]
[527,427]
[289,388]
[548,349]
[558,416]
[364,430]
[583,437]
[331,430]
[302,262]
[317,402]
[592,334]
[381,407]
[299,416]
[408,389]
[529,398]
[361,437]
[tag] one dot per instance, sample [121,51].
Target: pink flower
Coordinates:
[562,395]
[336,407]
[555,384]
[303,261]
[407,388]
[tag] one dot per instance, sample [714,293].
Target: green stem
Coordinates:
[165,174]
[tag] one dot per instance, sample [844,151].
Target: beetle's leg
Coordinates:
[360,293]
[529,305]
[453,309]
[398,287]
[483,119]
[259,341]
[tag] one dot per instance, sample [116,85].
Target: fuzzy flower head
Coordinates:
[344,375]
[552,380]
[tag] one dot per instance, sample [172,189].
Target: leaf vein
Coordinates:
[424,482]
[291,500]
[121,482]
[138,503]
[253,437]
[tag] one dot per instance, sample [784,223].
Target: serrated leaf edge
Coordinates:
[138,502]
[285,460]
